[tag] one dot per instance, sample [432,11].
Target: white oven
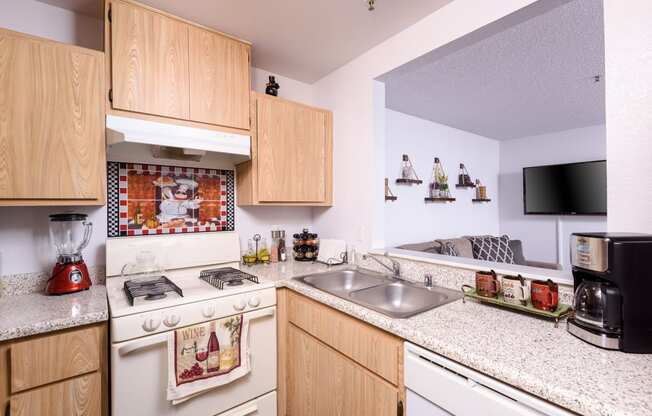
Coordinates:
[139,377]
[198,282]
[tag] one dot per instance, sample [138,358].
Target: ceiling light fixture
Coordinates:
[371,4]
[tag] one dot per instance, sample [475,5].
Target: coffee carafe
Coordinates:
[612,284]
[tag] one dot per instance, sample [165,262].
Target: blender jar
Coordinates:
[69,234]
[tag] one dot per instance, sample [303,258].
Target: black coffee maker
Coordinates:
[613,290]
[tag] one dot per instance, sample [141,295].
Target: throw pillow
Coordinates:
[448,249]
[491,248]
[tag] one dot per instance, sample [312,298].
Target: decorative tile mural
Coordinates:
[153,199]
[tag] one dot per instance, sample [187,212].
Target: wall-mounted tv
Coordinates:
[570,189]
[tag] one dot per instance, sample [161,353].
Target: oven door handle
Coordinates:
[249,410]
[142,343]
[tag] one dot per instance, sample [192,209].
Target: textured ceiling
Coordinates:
[533,78]
[300,39]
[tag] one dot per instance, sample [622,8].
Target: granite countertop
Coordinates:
[36,313]
[523,351]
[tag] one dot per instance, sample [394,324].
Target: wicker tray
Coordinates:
[561,312]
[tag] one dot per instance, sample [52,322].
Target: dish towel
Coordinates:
[205,356]
[331,251]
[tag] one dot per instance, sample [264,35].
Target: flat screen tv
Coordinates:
[570,189]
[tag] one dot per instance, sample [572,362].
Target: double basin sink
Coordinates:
[381,293]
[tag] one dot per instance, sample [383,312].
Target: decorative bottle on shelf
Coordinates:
[439,181]
[213,349]
[406,168]
[480,190]
[463,178]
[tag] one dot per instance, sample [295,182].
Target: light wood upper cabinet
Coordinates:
[52,149]
[219,79]
[149,62]
[291,156]
[166,67]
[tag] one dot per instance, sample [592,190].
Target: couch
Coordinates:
[464,248]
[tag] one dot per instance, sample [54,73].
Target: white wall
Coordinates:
[44,20]
[628,76]
[539,232]
[349,93]
[409,219]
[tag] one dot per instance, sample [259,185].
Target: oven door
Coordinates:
[139,375]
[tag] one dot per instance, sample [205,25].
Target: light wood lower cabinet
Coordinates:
[323,382]
[52,148]
[59,374]
[77,396]
[291,155]
[333,364]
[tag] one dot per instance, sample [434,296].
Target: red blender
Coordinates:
[69,234]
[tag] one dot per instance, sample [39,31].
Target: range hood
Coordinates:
[172,141]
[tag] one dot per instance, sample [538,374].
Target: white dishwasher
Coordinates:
[437,386]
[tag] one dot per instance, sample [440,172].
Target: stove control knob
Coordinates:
[208,311]
[240,305]
[172,320]
[254,302]
[151,324]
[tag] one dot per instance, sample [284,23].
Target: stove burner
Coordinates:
[153,289]
[226,275]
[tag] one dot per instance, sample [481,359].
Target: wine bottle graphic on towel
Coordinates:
[213,361]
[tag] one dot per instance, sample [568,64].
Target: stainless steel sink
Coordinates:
[402,300]
[344,281]
[379,292]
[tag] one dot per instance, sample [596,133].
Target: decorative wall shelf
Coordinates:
[389,195]
[464,186]
[409,181]
[439,199]
[481,200]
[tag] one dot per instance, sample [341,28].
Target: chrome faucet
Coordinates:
[395,268]
[427,280]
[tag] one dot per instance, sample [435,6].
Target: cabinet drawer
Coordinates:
[75,397]
[370,347]
[51,358]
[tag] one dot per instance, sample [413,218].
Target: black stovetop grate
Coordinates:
[150,289]
[226,276]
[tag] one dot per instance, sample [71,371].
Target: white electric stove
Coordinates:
[200,281]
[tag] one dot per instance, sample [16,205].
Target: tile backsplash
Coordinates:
[148,199]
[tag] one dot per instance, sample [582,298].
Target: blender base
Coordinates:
[68,278]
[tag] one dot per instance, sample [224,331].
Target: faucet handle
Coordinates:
[427,280]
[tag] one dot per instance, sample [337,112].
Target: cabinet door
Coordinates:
[219,79]
[324,382]
[292,147]
[149,60]
[51,121]
[73,397]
